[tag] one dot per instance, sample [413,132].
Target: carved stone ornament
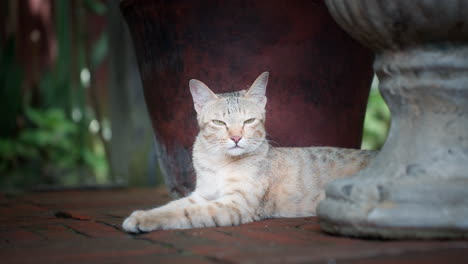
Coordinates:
[417,186]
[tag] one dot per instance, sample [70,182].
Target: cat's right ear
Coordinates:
[201,94]
[258,88]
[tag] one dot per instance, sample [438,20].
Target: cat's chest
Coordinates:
[215,181]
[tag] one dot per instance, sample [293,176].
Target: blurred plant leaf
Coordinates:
[7,149]
[10,89]
[376,123]
[100,51]
[26,150]
[55,86]
[95,6]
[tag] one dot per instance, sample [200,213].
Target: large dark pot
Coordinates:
[319,76]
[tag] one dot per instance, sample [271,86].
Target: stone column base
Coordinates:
[417,186]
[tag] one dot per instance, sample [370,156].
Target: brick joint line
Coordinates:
[76,231]
[182,251]
[29,229]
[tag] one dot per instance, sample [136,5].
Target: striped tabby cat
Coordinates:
[240,177]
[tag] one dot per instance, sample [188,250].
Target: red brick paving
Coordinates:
[84,227]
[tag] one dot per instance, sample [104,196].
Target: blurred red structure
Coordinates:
[320,77]
[32,25]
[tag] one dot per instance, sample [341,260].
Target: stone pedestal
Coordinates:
[417,187]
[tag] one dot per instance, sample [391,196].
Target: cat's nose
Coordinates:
[236,139]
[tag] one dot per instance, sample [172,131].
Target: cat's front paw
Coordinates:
[140,222]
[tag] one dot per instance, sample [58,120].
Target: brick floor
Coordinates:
[84,227]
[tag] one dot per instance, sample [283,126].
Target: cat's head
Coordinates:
[231,123]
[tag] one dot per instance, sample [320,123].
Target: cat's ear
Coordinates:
[201,94]
[258,89]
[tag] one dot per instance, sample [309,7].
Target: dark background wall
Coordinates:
[71,102]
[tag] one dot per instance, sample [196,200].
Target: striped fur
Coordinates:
[250,181]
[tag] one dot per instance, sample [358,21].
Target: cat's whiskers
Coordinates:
[256,141]
[215,147]
[270,141]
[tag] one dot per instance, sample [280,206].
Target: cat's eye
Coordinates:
[218,122]
[249,121]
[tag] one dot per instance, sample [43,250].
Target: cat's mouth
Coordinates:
[235,150]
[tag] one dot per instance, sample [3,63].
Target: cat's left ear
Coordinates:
[258,89]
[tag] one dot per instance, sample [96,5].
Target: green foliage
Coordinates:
[100,51]
[47,140]
[376,123]
[10,82]
[45,151]
[96,7]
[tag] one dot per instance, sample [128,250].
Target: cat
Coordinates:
[242,178]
